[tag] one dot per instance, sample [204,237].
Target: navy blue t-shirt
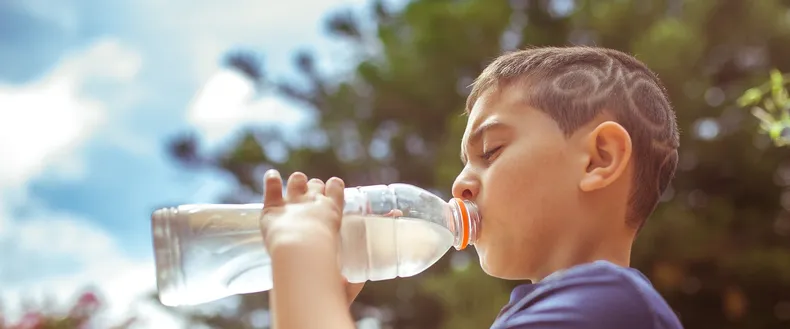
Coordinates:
[598,295]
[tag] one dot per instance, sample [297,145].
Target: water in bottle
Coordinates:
[209,251]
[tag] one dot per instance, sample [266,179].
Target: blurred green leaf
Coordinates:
[750,97]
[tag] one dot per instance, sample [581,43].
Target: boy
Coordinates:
[566,153]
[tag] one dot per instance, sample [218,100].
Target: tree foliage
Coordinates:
[717,247]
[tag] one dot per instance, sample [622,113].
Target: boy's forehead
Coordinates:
[494,104]
[490,112]
[481,111]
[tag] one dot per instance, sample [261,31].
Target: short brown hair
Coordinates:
[573,85]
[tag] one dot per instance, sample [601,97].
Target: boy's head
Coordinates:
[567,152]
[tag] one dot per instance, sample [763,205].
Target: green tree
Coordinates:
[717,247]
[770,104]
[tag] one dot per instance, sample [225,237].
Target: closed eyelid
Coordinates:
[481,135]
[489,144]
[493,148]
[489,149]
[495,139]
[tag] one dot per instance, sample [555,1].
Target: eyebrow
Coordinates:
[478,133]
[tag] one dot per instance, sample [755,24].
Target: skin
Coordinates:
[548,202]
[301,231]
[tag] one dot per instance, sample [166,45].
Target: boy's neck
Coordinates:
[614,248]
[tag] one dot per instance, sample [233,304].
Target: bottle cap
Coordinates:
[465,223]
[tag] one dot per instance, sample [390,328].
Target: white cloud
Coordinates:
[208,29]
[44,126]
[104,59]
[228,101]
[41,124]
[39,242]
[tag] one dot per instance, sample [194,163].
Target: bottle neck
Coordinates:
[466,222]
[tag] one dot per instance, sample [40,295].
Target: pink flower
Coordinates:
[33,320]
[88,299]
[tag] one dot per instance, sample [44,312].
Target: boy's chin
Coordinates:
[485,264]
[500,267]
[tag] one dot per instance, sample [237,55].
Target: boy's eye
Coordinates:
[487,155]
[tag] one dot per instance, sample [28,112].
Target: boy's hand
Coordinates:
[309,214]
[352,291]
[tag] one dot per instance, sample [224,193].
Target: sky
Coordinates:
[90,92]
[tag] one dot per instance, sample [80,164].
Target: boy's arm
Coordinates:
[309,291]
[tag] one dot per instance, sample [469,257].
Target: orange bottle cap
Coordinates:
[464,223]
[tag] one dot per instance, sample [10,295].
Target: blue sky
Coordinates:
[90,91]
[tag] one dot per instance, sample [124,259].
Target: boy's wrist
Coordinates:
[305,263]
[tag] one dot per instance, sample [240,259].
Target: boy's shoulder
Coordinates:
[593,295]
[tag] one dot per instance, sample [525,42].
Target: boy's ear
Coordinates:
[608,150]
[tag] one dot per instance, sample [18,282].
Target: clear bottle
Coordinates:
[205,252]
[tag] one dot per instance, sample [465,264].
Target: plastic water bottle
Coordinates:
[205,252]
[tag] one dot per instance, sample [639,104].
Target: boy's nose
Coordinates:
[465,187]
